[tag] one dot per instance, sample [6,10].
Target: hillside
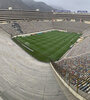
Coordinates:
[15,4]
[24,4]
[38,5]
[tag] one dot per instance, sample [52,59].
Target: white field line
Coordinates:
[25,46]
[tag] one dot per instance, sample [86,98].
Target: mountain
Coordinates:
[38,5]
[57,7]
[25,5]
[15,4]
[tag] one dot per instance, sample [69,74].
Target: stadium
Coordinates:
[44,55]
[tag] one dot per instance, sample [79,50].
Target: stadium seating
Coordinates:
[35,26]
[17,27]
[77,61]
[81,47]
[71,26]
[25,27]
[86,32]
[78,66]
[9,29]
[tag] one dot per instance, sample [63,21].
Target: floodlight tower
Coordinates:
[10,13]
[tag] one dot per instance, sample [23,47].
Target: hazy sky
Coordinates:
[70,4]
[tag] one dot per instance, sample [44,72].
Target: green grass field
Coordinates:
[47,46]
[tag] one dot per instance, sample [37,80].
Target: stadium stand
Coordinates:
[71,26]
[35,26]
[86,32]
[9,29]
[25,27]
[77,62]
[17,27]
[77,69]
[81,47]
